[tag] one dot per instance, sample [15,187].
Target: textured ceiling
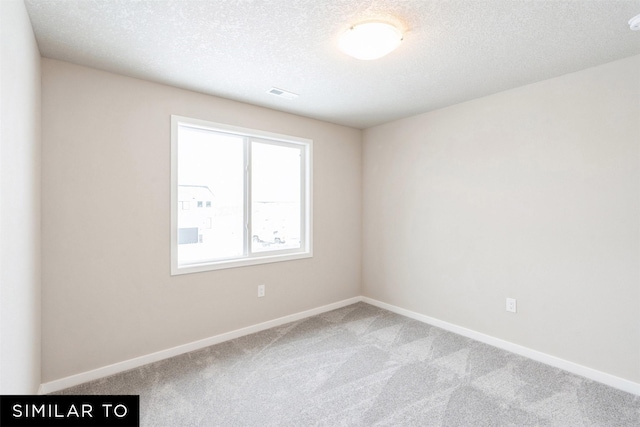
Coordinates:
[452,51]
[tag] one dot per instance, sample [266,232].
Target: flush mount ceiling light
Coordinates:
[370,40]
[634,23]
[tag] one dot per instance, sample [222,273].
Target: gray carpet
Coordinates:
[363,366]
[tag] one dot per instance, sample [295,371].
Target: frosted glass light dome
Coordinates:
[370,40]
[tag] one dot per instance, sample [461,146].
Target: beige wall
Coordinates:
[532,193]
[20,151]
[107,291]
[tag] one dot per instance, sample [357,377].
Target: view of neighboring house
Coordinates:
[195,205]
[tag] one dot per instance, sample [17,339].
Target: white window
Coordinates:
[257,188]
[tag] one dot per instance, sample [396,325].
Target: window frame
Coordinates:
[249,258]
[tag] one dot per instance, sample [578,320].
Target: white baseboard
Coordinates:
[126,365]
[592,374]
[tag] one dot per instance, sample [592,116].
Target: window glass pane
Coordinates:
[210,170]
[275,204]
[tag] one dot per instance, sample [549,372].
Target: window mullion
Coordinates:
[247,198]
[303,197]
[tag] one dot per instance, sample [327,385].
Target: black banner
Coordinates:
[64,411]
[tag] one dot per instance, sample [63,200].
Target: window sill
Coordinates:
[235,263]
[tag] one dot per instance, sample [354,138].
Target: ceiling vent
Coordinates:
[282,93]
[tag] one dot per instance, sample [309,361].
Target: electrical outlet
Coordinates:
[260,291]
[511,305]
